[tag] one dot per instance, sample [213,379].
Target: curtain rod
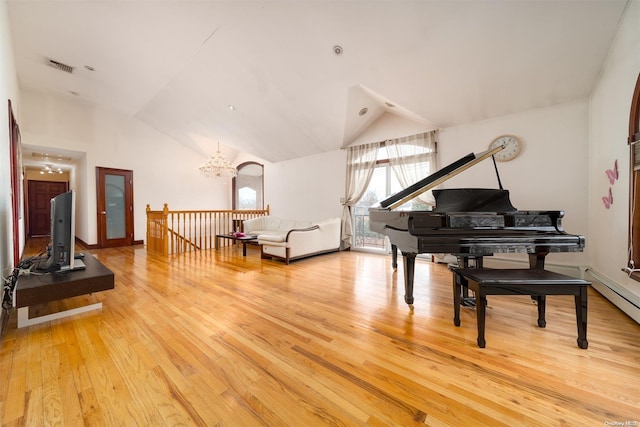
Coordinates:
[382,142]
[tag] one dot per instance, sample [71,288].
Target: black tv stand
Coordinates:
[44,288]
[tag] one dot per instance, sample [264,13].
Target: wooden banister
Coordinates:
[170,232]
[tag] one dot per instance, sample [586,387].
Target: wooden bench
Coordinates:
[537,283]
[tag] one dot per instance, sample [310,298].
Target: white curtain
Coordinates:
[413,158]
[361,162]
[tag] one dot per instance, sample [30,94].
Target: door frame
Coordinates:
[128,240]
[15,166]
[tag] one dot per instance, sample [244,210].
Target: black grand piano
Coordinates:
[469,223]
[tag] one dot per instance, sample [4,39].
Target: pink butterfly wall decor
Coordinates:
[612,174]
[608,200]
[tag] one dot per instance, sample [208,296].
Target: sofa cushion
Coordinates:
[271,224]
[271,236]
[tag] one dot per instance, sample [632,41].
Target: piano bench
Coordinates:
[537,283]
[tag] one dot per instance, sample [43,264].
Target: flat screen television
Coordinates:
[61,254]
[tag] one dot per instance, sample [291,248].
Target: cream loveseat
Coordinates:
[291,239]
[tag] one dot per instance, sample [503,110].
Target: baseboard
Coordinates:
[618,296]
[85,244]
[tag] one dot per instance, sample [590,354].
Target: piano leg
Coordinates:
[394,257]
[481,305]
[458,283]
[536,261]
[409,269]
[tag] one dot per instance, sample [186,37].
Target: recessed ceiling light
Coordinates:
[390,105]
[338,50]
[89,67]
[363,111]
[231,107]
[74,93]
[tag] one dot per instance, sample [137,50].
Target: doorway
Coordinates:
[40,194]
[248,187]
[114,207]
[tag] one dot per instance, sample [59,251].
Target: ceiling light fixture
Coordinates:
[49,170]
[232,107]
[338,50]
[363,111]
[218,167]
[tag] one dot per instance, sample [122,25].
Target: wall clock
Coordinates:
[513,146]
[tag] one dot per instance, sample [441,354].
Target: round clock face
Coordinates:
[512,145]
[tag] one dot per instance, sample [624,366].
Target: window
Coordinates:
[248,187]
[384,183]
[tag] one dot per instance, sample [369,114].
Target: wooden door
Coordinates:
[39,205]
[115,207]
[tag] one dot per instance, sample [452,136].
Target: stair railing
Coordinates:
[172,232]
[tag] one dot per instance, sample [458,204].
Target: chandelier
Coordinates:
[218,167]
[49,169]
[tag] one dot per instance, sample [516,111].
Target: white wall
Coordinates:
[163,170]
[307,188]
[551,172]
[610,109]
[8,90]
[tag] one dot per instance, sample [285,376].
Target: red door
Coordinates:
[39,205]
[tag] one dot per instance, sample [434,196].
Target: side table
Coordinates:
[252,238]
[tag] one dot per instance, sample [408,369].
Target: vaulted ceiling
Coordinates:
[181,66]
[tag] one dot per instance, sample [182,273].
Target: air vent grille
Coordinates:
[49,156]
[60,66]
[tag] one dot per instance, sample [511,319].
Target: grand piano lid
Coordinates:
[472,200]
[437,178]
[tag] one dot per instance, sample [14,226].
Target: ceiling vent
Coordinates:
[60,66]
[49,156]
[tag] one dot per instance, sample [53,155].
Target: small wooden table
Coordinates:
[536,283]
[251,238]
[47,287]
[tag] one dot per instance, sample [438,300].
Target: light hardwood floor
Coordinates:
[213,338]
